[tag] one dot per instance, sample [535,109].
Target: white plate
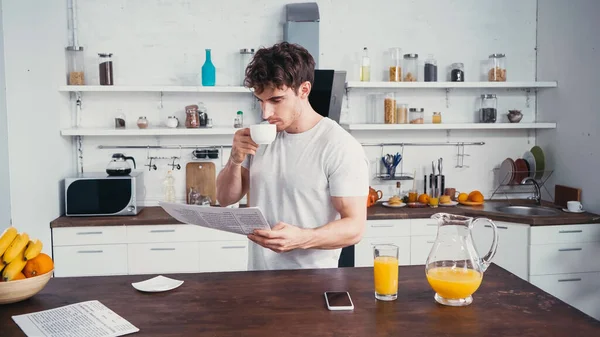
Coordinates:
[452,203]
[567,210]
[157,284]
[530,159]
[386,204]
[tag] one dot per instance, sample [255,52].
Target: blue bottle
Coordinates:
[208,71]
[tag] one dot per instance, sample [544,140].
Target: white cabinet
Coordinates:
[164,257]
[363,251]
[223,256]
[76,236]
[90,260]
[420,247]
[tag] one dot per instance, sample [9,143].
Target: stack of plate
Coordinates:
[531,165]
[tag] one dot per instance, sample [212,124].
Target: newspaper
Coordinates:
[233,220]
[84,319]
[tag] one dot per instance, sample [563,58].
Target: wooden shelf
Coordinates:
[155,88]
[214,131]
[451,85]
[463,126]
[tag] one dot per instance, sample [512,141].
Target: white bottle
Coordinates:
[169,187]
[365,67]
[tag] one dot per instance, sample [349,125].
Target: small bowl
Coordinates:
[16,291]
[514,116]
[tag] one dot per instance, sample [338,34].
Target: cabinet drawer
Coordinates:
[423,227]
[162,233]
[579,290]
[565,234]
[209,234]
[74,236]
[420,246]
[385,228]
[363,251]
[155,258]
[93,260]
[565,258]
[223,256]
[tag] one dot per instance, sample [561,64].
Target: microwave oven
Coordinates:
[98,194]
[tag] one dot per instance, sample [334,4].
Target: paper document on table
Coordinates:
[84,319]
[233,220]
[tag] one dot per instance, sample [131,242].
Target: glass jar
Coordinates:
[389,109]
[202,114]
[142,122]
[239,120]
[430,71]
[401,113]
[246,55]
[75,74]
[191,116]
[457,72]
[105,68]
[497,69]
[411,67]
[395,69]
[365,66]
[172,122]
[416,115]
[436,118]
[489,108]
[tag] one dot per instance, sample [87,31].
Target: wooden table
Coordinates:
[291,303]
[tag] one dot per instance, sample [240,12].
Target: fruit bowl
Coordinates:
[19,290]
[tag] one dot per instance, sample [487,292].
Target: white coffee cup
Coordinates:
[574,206]
[263,133]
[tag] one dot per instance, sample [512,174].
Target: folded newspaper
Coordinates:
[233,220]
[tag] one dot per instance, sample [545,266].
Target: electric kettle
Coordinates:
[118,166]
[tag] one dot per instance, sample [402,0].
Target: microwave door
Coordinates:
[98,197]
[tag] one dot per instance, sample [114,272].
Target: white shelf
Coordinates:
[152,88]
[215,131]
[464,126]
[451,85]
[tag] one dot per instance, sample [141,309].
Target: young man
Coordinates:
[311,182]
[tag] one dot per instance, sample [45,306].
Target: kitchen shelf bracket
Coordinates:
[447,98]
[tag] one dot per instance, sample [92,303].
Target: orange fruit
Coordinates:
[475,196]
[463,197]
[19,276]
[39,265]
[423,198]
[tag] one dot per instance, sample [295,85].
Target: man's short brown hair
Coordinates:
[284,64]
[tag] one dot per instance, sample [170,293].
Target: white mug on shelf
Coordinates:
[574,206]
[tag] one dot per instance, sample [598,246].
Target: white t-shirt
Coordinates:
[293,179]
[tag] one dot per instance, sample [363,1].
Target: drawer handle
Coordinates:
[499,227]
[88,233]
[375,226]
[90,251]
[162,248]
[233,247]
[431,241]
[571,231]
[432,224]
[570,280]
[162,231]
[381,243]
[569,249]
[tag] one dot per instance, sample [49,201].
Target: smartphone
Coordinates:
[338,300]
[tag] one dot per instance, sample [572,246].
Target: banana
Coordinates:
[7,238]
[34,248]
[16,247]
[2,264]
[13,269]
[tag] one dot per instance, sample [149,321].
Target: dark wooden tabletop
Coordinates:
[291,303]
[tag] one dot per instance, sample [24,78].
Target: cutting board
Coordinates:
[562,194]
[202,176]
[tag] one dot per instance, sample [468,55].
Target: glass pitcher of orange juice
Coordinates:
[454,269]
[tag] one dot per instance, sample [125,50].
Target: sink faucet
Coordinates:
[537,195]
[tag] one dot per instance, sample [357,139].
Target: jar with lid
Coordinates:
[457,72]
[488,109]
[436,118]
[238,122]
[172,122]
[401,113]
[191,116]
[395,69]
[416,115]
[497,69]
[389,107]
[105,68]
[411,67]
[431,70]
[75,75]
[246,55]
[202,114]
[365,66]
[142,122]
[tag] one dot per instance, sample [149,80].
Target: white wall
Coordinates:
[34,40]
[163,42]
[4,179]
[569,51]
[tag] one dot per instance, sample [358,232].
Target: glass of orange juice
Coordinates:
[385,272]
[412,196]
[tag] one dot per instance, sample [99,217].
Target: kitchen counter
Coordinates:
[157,216]
[291,303]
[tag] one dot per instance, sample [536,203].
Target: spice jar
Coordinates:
[191,116]
[75,75]
[389,108]
[431,70]
[497,70]
[120,120]
[142,122]
[246,55]
[238,122]
[436,118]
[411,67]
[457,74]
[416,115]
[105,68]
[365,66]
[172,122]
[488,109]
[202,114]
[401,113]
[395,70]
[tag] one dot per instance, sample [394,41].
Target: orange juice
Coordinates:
[412,196]
[386,275]
[454,283]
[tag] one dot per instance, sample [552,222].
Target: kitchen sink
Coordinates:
[529,210]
